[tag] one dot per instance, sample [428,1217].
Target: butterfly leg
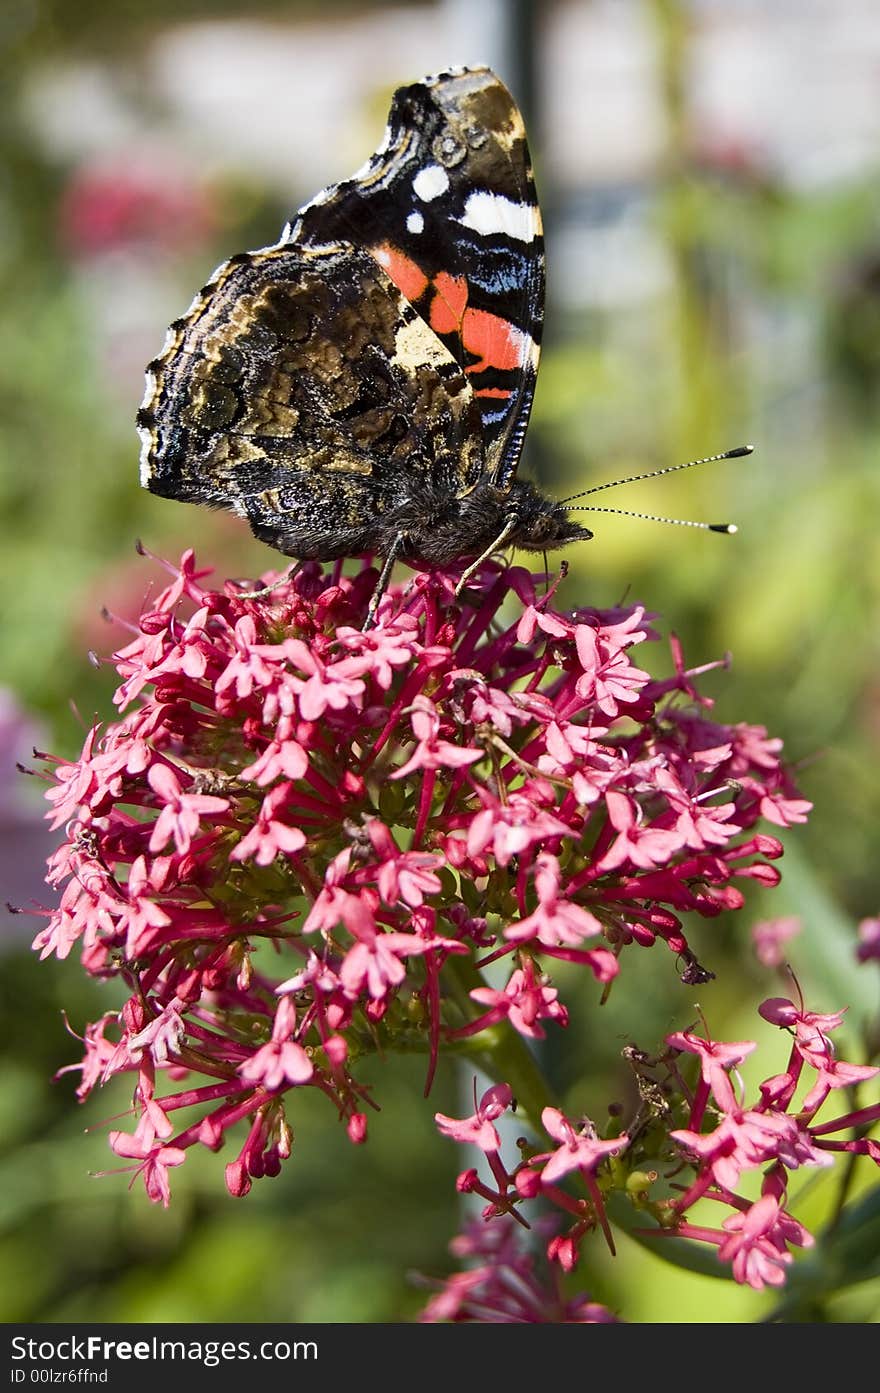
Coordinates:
[287,574]
[382,583]
[510,526]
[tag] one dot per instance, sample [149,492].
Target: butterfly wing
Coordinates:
[303,392]
[447,206]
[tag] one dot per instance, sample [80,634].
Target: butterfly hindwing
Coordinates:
[447,205]
[296,367]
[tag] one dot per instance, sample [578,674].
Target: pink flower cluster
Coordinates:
[300,838]
[773,1136]
[579,1151]
[505,1283]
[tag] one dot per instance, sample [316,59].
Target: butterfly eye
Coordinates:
[448,149]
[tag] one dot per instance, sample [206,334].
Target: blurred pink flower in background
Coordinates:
[135,202]
[128,221]
[869,940]
[770,936]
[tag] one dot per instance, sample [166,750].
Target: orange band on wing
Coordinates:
[495,341]
[409,278]
[448,306]
[491,339]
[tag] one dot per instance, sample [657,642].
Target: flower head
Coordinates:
[297,834]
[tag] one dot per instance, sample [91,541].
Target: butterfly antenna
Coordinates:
[655,474]
[727,527]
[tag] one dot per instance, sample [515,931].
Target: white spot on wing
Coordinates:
[430,182]
[486,213]
[146,468]
[415,223]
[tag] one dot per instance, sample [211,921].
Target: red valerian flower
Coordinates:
[181,813]
[774,1133]
[478,1129]
[525,1002]
[300,842]
[757,1242]
[756,1237]
[134,202]
[579,1150]
[507,1283]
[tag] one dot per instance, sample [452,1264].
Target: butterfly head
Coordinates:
[541,523]
[519,516]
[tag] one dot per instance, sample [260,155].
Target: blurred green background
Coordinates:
[710,186]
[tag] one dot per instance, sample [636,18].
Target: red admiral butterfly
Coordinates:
[364,386]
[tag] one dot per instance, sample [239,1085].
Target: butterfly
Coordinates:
[363,387]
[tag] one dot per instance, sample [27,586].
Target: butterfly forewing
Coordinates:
[447,206]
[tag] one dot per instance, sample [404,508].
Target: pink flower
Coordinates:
[555,921]
[525,1002]
[281,1061]
[639,844]
[270,837]
[140,916]
[376,963]
[746,1140]
[162,1036]
[580,1150]
[756,1243]
[477,1130]
[388,648]
[247,670]
[336,905]
[814,1047]
[283,758]
[328,686]
[181,812]
[409,875]
[716,1059]
[507,1283]
[609,678]
[501,710]
[549,623]
[869,940]
[121,202]
[431,752]
[156,1161]
[512,827]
